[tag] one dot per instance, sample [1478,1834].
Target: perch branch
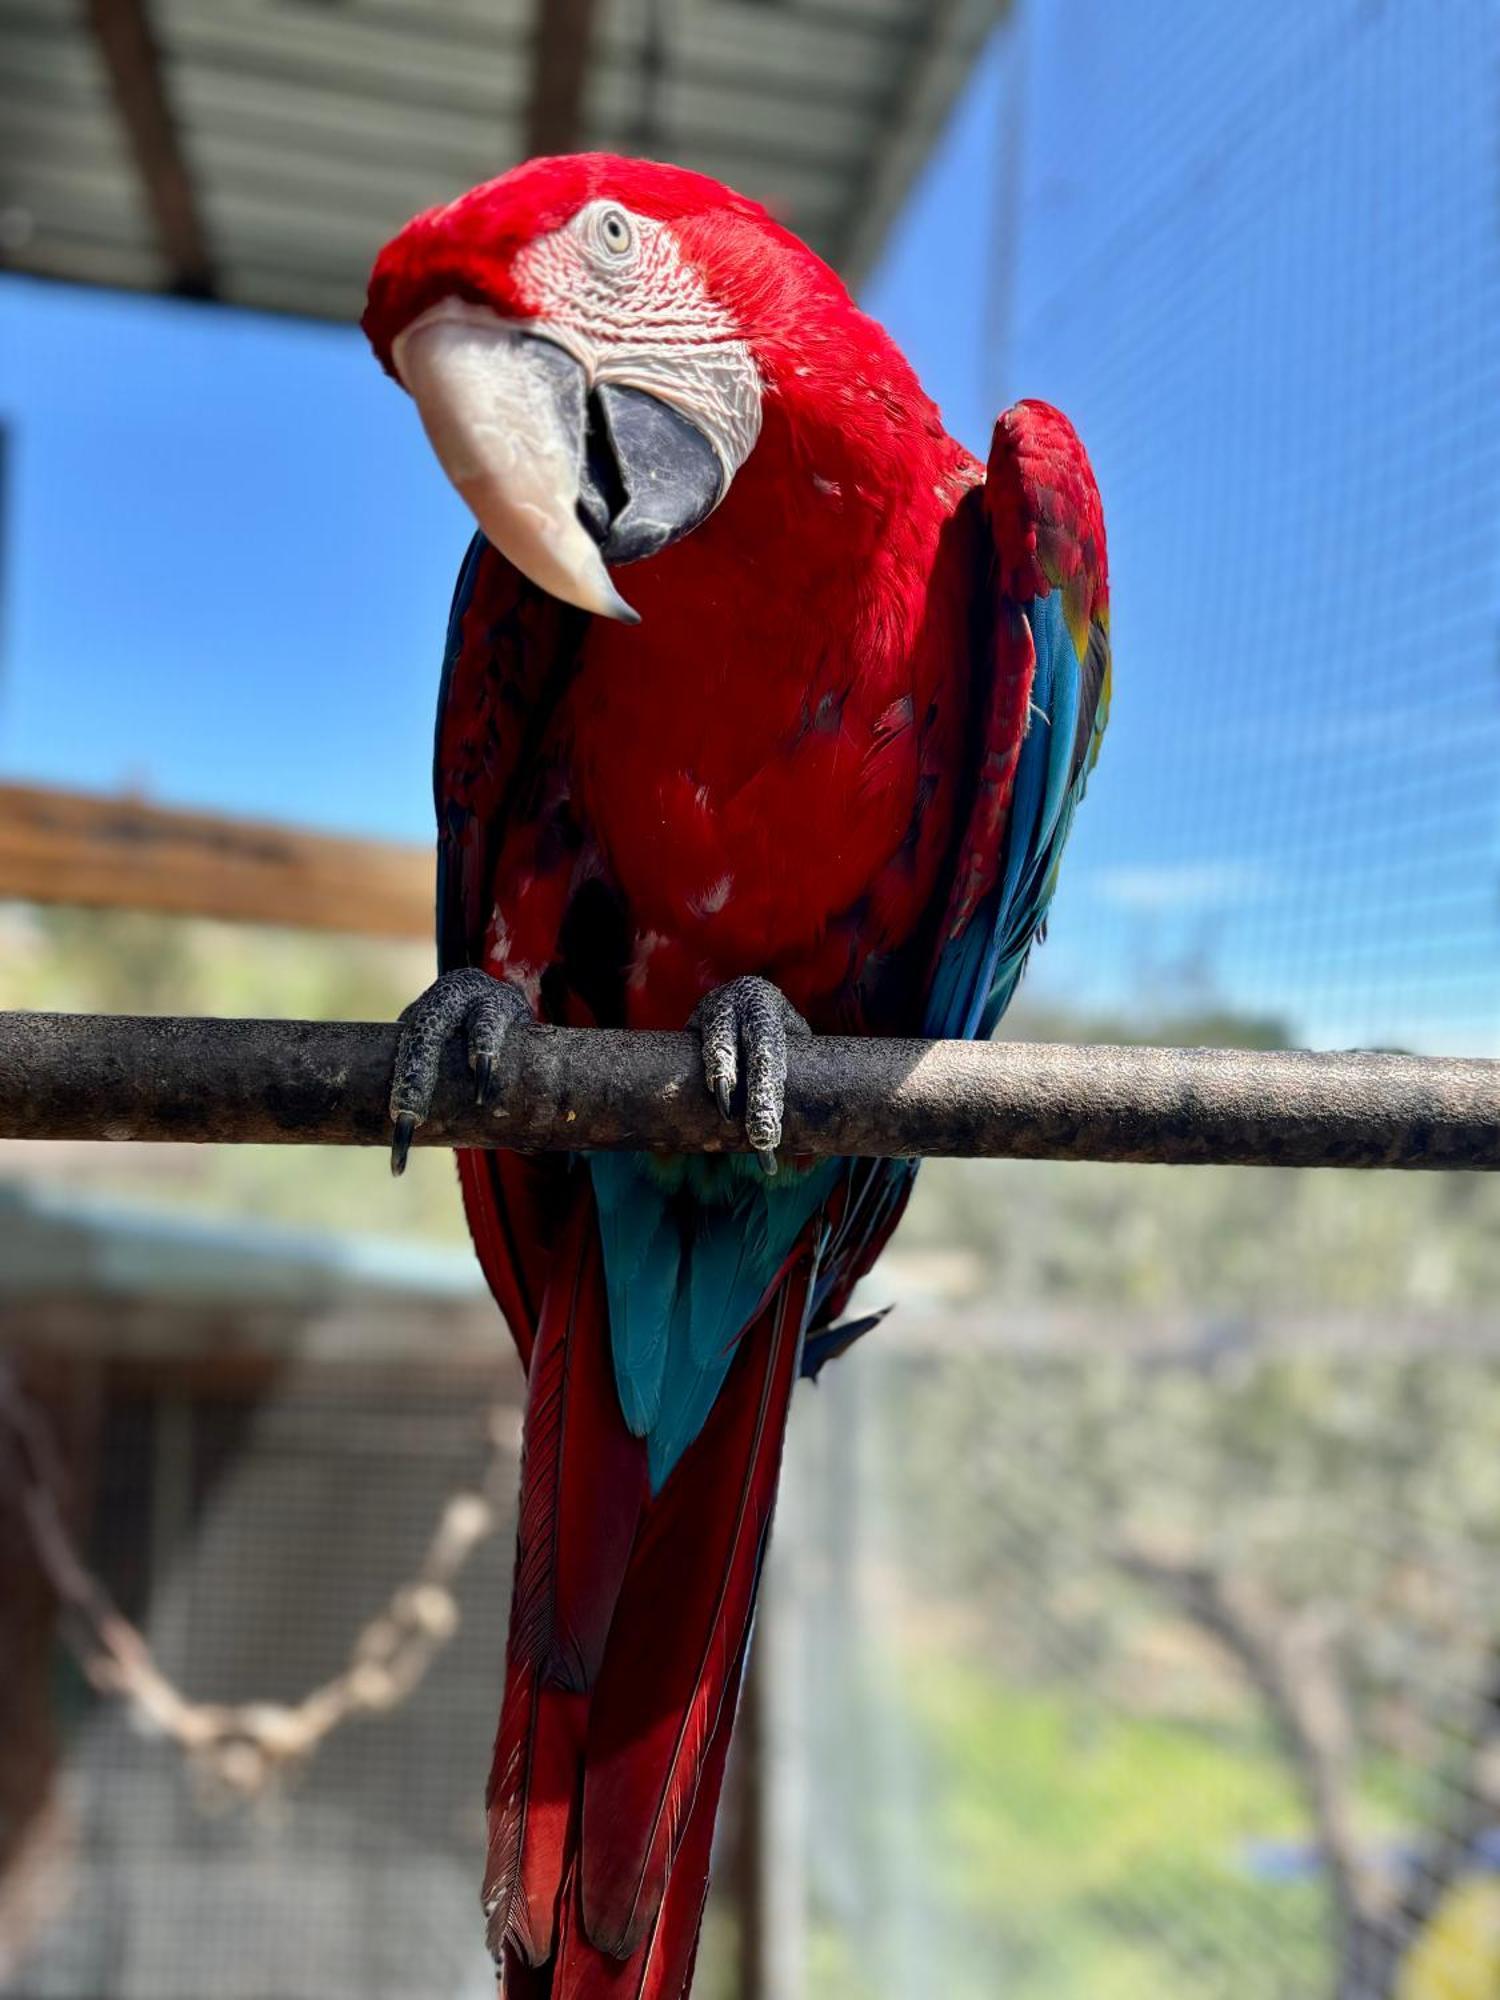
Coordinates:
[78,1076]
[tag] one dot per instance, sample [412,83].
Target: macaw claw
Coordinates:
[405,1124]
[743,1029]
[484,1077]
[466,1000]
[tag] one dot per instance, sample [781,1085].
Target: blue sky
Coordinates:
[1244,256]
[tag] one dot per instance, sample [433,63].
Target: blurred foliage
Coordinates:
[1459,1956]
[1103,1767]
[1365,1488]
[1214,1239]
[1204,1021]
[1105,1753]
[1118,1867]
[1065,1845]
[1077,1787]
[136,962]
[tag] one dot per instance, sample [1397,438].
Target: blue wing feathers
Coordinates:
[642,1253]
[980,969]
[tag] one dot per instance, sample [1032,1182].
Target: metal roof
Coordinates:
[87,1275]
[260,151]
[52,1239]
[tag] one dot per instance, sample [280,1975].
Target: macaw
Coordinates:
[807,763]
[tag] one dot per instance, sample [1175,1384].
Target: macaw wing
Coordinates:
[873,1201]
[1045,710]
[510,651]
[1041,709]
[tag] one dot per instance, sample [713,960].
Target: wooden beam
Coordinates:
[116,853]
[554,119]
[132,60]
[927,87]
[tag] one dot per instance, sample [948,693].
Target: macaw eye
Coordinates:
[615,232]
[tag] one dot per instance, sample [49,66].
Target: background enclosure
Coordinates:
[1133,1620]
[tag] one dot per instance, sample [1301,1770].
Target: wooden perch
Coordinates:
[77,1076]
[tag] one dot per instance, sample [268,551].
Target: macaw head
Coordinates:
[590,342]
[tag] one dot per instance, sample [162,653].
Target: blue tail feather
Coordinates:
[680,1297]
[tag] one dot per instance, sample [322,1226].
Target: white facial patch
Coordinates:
[614,291]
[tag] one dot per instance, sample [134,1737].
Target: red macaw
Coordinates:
[815,773]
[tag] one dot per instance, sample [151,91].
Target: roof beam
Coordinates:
[119,853]
[554,119]
[132,60]
[926,92]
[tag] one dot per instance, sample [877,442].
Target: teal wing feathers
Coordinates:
[1046,710]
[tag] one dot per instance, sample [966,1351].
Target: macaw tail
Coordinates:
[630,1619]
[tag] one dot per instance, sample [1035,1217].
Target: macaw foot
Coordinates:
[485,1009]
[743,1029]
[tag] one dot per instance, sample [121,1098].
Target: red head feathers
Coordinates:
[594,344]
[475,247]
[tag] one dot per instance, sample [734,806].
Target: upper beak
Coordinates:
[558,476]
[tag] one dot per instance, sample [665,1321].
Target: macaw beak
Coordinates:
[561,475]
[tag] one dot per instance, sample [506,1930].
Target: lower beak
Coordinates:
[560,478]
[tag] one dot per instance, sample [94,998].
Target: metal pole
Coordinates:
[77,1076]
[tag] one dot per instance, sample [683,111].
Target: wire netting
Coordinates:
[251,1538]
[1142,1572]
[1258,261]
[1134,1624]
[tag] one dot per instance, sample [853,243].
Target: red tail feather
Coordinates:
[671,1665]
[510,1201]
[630,1617]
[662,1967]
[583,1481]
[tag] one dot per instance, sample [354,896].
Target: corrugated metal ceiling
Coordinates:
[307,130]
